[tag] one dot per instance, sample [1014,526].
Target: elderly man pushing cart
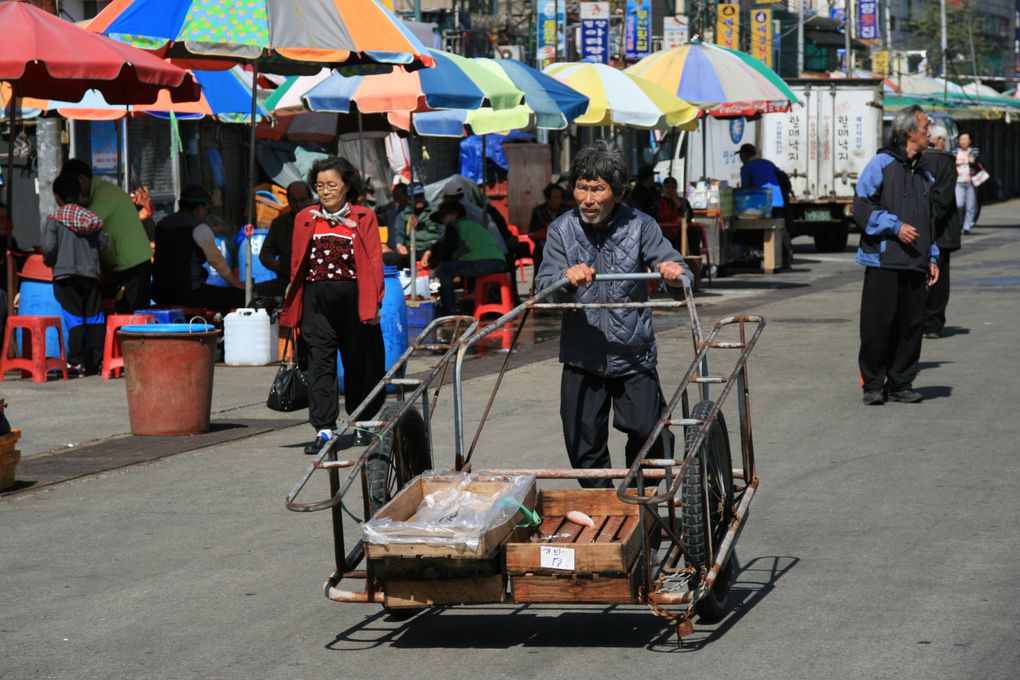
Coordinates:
[608,355]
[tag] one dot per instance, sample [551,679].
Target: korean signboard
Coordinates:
[552,16]
[761,35]
[867,21]
[595,32]
[727,32]
[638,29]
[675,32]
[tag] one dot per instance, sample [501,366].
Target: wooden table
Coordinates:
[772,232]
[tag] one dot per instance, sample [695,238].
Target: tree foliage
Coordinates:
[964,38]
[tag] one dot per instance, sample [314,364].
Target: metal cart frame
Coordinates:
[673,587]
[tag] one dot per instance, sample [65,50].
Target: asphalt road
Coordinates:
[882,543]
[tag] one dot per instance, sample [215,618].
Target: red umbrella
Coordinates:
[46,57]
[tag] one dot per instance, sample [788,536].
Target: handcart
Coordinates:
[663,537]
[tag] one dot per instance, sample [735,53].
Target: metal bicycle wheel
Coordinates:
[402,455]
[715,452]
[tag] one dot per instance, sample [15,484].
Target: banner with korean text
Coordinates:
[638,29]
[867,21]
[552,15]
[595,32]
[761,35]
[727,32]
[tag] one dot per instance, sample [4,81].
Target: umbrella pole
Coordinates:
[361,149]
[413,227]
[250,222]
[9,227]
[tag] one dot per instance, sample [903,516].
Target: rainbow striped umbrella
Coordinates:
[724,83]
[226,96]
[619,98]
[338,32]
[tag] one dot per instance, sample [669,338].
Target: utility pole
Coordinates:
[943,44]
[800,38]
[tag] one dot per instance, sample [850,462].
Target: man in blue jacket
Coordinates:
[608,355]
[893,208]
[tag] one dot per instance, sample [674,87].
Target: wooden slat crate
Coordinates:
[403,506]
[9,458]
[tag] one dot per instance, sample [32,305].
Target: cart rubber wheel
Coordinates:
[403,454]
[715,450]
[712,607]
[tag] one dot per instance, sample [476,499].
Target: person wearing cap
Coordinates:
[184,243]
[335,298]
[394,252]
[417,215]
[467,249]
[127,257]
[454,191]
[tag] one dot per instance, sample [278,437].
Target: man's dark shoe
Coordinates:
[907,396]
[873,397]
[362,438]
[933,335]
[313,447]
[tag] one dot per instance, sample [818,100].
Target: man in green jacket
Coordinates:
[127,258]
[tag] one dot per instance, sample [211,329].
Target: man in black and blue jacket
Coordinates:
[893,208]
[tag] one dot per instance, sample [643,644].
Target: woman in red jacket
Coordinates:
[334,297]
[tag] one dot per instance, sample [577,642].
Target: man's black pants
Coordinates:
[584,409]
[892,313]
[82,302]
[329,321]
[131,288]
[938,299]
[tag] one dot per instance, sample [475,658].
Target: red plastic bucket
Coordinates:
[169,379]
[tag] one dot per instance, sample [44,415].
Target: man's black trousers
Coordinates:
[329,322]
[892,313]
[82,302]
[584,409]
[938,299]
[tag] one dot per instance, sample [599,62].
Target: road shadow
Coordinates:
[950,331]
[613,626]
[925,365]
[935,392]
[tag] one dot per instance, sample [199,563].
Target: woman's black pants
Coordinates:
[330,322]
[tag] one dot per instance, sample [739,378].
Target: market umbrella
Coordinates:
[45,56]
[722,82]
[620,98]
[224,95]
[555,104]
[274,35]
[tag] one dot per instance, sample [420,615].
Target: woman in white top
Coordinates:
[966,194]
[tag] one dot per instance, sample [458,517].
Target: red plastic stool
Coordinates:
[482,287]
[34,362]
[113,360]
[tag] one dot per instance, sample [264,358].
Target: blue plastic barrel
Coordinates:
[392,322]
[259,271]
[214,278]
[38,299]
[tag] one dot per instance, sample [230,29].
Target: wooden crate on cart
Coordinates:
[9,457]
[566,562]
[423,574]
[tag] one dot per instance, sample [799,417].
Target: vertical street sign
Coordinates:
[880,62]
[675,32]
[552,15]
[761,35]
[727,32]
[638,29]
[595,32]
[867,21]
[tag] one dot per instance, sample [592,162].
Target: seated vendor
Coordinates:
[184,243]
[466,249]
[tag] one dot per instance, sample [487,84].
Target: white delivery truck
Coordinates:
[823,146]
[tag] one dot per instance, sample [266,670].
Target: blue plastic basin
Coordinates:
[168,328]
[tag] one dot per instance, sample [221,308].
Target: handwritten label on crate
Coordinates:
[553,557]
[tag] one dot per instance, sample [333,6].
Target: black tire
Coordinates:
[715,450]
[402,455]
[832,239]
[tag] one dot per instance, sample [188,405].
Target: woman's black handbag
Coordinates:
[290,389]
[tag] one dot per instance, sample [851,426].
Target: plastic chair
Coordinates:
[483,285]
[523,262]
[113,360]
[34,363]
